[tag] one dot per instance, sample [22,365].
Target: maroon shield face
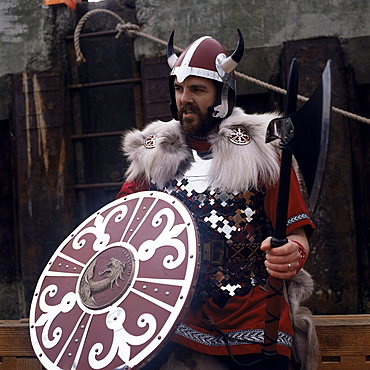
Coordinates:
[115,289]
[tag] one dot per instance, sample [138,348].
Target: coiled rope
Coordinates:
[133,30]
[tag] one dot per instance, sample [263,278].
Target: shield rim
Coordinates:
[193,244]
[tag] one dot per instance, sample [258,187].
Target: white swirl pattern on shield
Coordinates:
[50,312]
[152,237]
[169,236]
[121,338]
[100,223]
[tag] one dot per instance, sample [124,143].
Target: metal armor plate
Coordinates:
[115,289]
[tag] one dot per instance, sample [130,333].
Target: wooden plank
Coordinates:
[28,363]
[8,363]
[344,363]
[343,343]
[335,320]
[15,339]
[20,363]
[343,335]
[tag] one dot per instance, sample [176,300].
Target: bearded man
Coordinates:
[214,158]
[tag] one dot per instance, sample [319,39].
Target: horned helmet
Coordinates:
[207,58]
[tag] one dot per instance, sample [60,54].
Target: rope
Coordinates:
[133,30]
[76,37]
[130,29]
[300,97]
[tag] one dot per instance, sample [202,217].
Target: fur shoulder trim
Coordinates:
[161,162]
[247,166]
[234,167]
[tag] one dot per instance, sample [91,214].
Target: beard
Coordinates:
[198,125]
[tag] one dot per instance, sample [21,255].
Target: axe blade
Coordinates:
[306,134]
[309,143]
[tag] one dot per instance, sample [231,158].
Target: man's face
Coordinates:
[193,96]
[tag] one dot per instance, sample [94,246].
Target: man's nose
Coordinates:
[186,96]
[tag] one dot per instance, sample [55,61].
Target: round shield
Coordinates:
[116,288]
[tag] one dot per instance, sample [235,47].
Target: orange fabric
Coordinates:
[70,3]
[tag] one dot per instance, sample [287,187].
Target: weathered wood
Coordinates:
[9,278]
[343,341]
[42,172]
[346,363]
[102,104]
[16,352]
[156,95]
[20,363]
[15,339]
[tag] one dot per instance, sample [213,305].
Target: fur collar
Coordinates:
[233,168]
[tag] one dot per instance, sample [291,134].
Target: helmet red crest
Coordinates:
[207,58]
[199,59]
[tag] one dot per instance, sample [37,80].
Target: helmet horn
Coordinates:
[230,63]
[171,56]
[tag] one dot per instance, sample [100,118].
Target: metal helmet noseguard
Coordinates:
[207,58]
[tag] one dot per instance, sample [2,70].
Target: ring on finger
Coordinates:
[289,266]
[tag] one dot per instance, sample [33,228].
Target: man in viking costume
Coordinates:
[213,157]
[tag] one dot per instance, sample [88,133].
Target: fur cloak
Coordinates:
[233,168]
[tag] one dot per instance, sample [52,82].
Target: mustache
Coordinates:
[189,106]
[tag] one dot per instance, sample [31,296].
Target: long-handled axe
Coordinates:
[304,134]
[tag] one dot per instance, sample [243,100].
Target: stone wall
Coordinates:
[266,26]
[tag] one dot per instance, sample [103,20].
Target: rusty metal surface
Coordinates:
[333,256]
[11,307]
[105,83]
[105,93]
[96,135]
[360,138]
[43,203]
[43,172]
[156,94]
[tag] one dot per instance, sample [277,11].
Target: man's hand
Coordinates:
[283,262]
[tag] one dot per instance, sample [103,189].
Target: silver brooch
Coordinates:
[150,141]
[239,135]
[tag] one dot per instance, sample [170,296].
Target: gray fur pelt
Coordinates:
[243,167]
[161,163]
[305,345]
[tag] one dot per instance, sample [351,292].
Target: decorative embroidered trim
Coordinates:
[297,218]
[235,338]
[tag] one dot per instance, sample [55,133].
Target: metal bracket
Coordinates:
[280,128]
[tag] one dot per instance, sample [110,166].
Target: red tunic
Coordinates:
[242,315]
